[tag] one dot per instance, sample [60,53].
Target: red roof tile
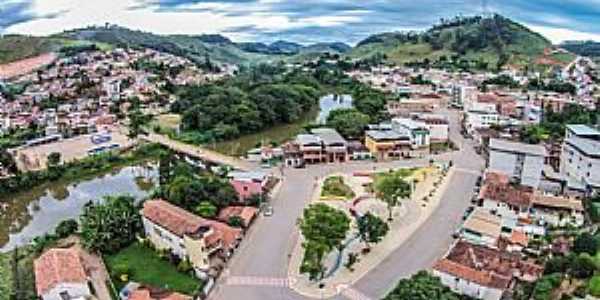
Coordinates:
[57,266]
[496,187]
[177,220]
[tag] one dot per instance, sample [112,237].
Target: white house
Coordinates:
[419,133]
[60,274]
[480,115]
[557,211]
[521,162]
[580,158]
[186,235]
[438,126]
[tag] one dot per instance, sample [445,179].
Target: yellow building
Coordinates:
[387,144]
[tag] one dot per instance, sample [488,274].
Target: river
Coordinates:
[36,212]
[283,132]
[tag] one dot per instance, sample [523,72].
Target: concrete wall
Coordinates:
[164,239]
[575,164]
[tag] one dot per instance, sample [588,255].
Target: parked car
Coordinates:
[268,211]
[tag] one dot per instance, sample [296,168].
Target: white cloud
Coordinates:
[559,35]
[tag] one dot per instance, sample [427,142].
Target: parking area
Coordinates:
[30,158]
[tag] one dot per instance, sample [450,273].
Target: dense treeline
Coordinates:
[264,96]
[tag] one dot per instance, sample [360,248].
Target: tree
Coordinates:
[107,227]
[206,209]
[137,120]
[349,122]
[235,221]
[585,243]
[371,228]
[390,188]
[583,266]
[422,286]
[324,228]
[66,228]
[54,159]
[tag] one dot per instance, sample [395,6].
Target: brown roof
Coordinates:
[148,293]
[484,222]
[180,222]
[557,202]
[175,219]
[246,213]
[486,266]
[57,266]
[497,187]
[519,238]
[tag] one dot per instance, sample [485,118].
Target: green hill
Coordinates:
[17,47]
[490,40]
[583,48]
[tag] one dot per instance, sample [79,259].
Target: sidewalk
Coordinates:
[407,219]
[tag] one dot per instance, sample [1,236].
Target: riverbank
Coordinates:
[77,170]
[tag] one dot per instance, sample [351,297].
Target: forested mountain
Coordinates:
[583,48]
[493,41]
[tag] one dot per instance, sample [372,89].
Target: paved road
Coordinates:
[259,268]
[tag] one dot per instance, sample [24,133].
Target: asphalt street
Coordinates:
[263,256]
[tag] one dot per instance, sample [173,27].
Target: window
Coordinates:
[64,295]
[157,231]
[245,188]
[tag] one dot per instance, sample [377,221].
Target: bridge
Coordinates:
[199,152]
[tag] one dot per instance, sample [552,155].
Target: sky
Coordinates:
[302,21]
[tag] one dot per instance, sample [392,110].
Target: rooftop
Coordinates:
[409,123]
[497,187]
[483,222]
[588,146]
[508,146]
[583,130]
[386,135]
[58,266]
[175,219]
[557,202]
[308,139]
[329,136]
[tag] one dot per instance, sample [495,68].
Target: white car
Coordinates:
[268,211]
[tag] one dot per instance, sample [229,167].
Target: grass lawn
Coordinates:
[336,187]
[6,281]
[145,266]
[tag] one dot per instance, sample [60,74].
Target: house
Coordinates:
[292,155]
[437,125]
[387,144]
[420,136]
[463,94]
[521,162]
[516,242]
[245,213]
[482,228]
[580,158]
[188,236]
[480,115]
[310,147]
[505,199]
[404,107]
[483,273]
[557,211]
[60,274]
[248,184]
[334,145]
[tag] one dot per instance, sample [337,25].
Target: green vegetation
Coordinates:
[335,187]
[391,187]
[78,170]
[142,264]
[585,48]
[324,228]
[371,228]
[481,42]
[594,286]
[554,123]
[16,274]
[422,286]
[349,122]
[17,47]
[545,286]
[108,227]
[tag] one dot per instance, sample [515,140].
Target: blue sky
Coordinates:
[303,21]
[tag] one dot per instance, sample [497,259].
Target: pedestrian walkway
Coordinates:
[352,294]
[258,281]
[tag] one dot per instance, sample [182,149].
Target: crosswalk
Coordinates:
[258,281]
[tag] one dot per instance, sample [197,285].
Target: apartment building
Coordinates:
[420,136]
[523,163]
[388,144]
[580,158]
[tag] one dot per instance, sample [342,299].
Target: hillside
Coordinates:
[491,41]
[583,48]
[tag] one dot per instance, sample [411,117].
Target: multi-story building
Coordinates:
[420,136]
[335,147]
[438,126]
[387,144]
[580,158]
[188,236]
[462,95]
[521,162]
[479,116]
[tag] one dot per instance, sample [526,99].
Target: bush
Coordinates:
[594,286]
[235,221]
[66,228]
[585,243]
[583,266]
[184,266]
